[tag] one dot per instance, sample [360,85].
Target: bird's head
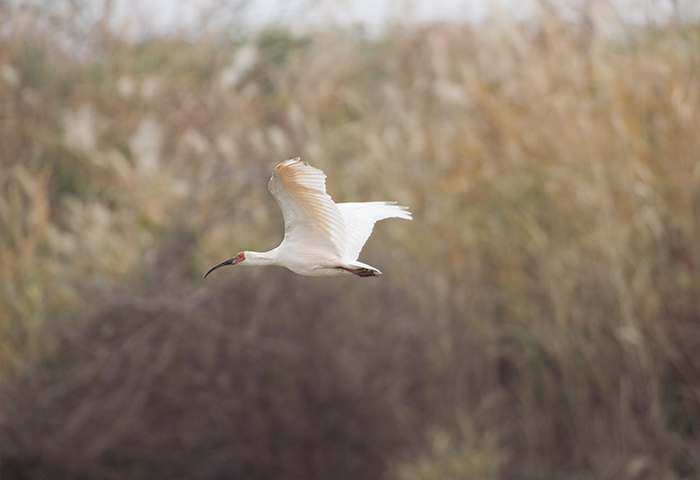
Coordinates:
[231,261]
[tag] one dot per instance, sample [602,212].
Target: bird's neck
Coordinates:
[260,258]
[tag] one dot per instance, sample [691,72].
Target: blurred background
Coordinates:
[538,320]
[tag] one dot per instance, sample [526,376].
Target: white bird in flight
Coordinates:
[321,237]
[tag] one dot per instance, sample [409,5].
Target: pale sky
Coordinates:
[164,14]
[371,13]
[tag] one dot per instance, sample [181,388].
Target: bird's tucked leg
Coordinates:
[362,272]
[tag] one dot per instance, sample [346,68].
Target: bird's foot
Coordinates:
[362,272]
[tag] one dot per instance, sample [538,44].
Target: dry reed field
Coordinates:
[538,320]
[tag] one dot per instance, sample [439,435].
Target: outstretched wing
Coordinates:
[360,218]
[311,218]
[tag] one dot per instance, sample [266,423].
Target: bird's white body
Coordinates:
[321,237]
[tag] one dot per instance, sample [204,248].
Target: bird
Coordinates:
[321,237]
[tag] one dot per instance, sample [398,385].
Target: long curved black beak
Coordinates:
[222,264]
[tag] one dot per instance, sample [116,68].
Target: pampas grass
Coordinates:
[538,319]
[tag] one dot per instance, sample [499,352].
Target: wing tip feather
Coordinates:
[403,211]
[287,163]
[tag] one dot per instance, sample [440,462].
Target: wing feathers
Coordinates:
[310,215]
[360,218]
[313,220]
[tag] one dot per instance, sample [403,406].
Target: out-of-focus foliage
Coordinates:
[540,318]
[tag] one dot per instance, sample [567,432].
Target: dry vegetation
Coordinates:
[540,318]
